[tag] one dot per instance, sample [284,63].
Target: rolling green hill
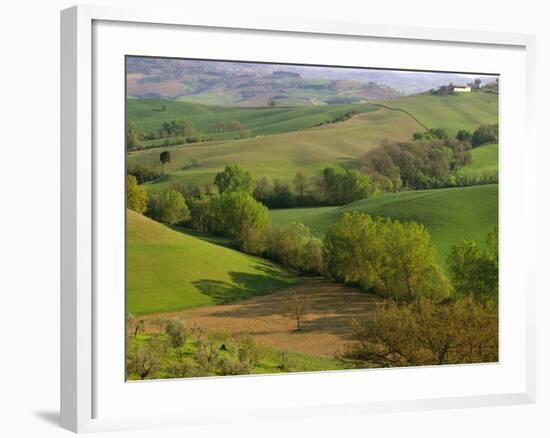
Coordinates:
[168,270]
[484,161]
[260,121]
[280,155]
[459,111]
[450,215]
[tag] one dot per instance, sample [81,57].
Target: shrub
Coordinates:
[169,207]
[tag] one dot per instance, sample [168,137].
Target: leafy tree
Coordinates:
[474,269]
[136,196]
[286,244]
[231,211]
[485,134]
[385,256]
[176,128]
[344,185]
[164,158]
[163,108]
[234,179]
[134,135]
[424,333]
[301,182]
[168,207]
[464,135]
[263,189]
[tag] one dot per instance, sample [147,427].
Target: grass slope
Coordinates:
[168,270]
[484,161]
[281,155]
[261,121]
[450,215]
[459,111]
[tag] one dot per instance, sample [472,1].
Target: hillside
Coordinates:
[168,270]
[459,111]
[450,215]
[280,155]
[147,114]
[484,161]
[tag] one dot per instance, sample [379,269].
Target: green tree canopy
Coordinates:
[134,135]
[230,212]
[474,269]
[136,196]
[234,179]
[385,256]
[168,207]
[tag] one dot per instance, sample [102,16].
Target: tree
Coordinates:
[163,108]
[424,333]
[263,189]
[175,330]
[464,135]
[384,256]
[234,179]
[301,182]
[474,269]
[134,135]
[136,196]
[164,158]
[229,212]
[144,358]
[168,207]
[295,307]
[485,134]
[343,186]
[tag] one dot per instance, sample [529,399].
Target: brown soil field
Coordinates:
[326,327]
[137,84]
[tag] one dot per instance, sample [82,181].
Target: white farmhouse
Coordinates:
[462,89]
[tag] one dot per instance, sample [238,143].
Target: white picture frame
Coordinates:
[81,260]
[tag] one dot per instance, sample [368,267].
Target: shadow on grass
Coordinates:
[244,285]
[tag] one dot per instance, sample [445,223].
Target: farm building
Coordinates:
[462,89]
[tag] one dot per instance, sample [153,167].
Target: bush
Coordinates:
[485,134]
[384,256]
[169,207]
[136,196]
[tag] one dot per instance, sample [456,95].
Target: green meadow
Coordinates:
[279,156]
[455,112]
[450,215]
[484,161]
[148,115]
[169,270]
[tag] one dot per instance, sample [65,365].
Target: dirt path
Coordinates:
[326,326]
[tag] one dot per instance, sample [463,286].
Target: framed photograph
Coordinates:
[253,210]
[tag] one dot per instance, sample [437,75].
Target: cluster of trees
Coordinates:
[384,256]
[482,135]
[176,351]
[335,186]
[143,173]
[228,126]
[134,136]
[474,268]
[460,329]
[417,164]
[426,333]
[340,118]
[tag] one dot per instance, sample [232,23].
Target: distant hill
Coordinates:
[252,84]
[168,270]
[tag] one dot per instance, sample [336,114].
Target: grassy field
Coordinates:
[450,215]
[484,161]
[280,155]
[168,270]
[261,121]
[459,111]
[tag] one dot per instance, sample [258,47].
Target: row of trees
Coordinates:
[482,135]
